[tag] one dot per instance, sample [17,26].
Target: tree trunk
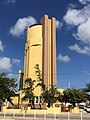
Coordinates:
[10,101]
[48,105]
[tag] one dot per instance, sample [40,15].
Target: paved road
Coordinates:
[66,116]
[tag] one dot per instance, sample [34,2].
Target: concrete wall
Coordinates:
[30,111]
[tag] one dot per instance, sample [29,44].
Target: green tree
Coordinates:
[29,91]
[87,89]
[61,98]
[39,78]
[7,88]
[74,96]
[49,96]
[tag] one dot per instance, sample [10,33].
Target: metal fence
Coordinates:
[62,116]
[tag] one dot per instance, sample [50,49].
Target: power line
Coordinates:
[63,74]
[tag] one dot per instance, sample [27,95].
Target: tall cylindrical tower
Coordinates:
[33,53]
[40,49]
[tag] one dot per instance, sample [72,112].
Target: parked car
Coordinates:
[81,105]
[87,109]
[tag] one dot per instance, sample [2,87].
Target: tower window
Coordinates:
[36,45]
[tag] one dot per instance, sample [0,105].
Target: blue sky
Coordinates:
[73,37]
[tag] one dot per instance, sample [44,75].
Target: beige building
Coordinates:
[40,49]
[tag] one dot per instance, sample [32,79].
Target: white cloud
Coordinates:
[84,1]
[81,19]
[5,64]
[14,76]
[71,6]
[11,1]
[1,46]
[8,2]
[15,61]
[58,24]
[83,32]
[11,75]
[85,50]
[86,73]
[74,17]
[64,59]
[22,23]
